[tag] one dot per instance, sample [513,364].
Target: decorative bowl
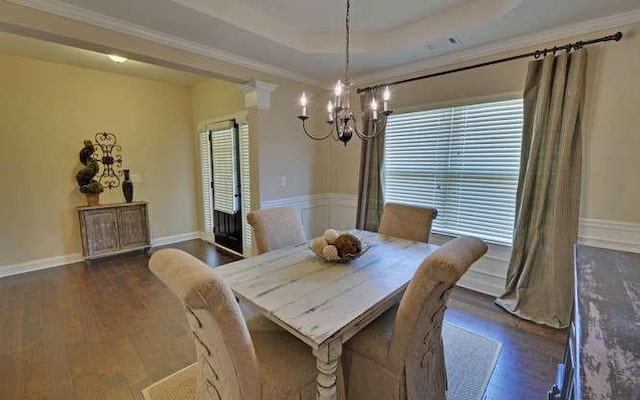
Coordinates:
[364,245]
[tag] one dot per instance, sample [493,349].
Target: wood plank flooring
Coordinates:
[111,329]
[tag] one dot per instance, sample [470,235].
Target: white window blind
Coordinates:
[205,168]
[464,161]
[245,181]
[225,177]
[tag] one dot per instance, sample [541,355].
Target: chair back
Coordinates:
[227,363]
[407,222]
[275,228]
[416,344]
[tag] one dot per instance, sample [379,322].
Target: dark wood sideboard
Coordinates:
[602,355]
[114,228]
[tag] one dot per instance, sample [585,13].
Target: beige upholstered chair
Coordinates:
[400,355]
[407,222]
[234,362]
[275,228]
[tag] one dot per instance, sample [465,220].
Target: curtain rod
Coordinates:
[537,54]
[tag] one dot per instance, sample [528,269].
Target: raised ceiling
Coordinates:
[53,52]
[305,38]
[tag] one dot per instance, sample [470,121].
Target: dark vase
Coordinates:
[127,187]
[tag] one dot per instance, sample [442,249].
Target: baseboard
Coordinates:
[162,241]
[483,283]
[29,266]
[335,210]
[615,235]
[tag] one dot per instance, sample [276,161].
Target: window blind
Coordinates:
[205,169]
[225,177]
[464,161]
[245,180]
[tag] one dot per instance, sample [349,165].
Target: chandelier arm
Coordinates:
[377,131]
[304,128]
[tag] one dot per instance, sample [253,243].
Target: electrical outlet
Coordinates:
[283,181]
[136,178]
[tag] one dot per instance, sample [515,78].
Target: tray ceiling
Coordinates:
[306,37]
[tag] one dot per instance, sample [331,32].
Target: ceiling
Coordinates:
[48,51]
[305,38]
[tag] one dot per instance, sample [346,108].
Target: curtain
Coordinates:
[370,194]
[540,276]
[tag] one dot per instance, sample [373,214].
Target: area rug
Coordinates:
[180,385]
[469,357]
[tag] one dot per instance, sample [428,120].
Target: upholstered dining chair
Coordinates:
[407,222]
[400,355]
[235,360]
[275,228]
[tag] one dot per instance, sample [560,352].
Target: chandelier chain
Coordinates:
[342,121]
[347,42]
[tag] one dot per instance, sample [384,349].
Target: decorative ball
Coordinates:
[318,244]
[330,235]
[330,253]
[348,244]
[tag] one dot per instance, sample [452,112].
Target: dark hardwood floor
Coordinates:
[111,329]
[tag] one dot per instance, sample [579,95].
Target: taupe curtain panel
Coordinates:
[540,276]
[370,196]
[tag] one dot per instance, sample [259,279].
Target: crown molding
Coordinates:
[104,21]
[582,28]
[97,19]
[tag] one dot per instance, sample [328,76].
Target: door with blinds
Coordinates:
[225,219]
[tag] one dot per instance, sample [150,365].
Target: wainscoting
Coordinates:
[321,211]
[487,275]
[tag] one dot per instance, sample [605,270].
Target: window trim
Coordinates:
[461,102]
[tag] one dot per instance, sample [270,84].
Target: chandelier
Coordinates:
[341,120]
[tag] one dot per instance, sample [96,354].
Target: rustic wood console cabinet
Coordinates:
[602,357]
[114,228]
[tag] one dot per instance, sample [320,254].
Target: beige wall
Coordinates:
[46,110]
[286,152]
[610,125]
[282,149]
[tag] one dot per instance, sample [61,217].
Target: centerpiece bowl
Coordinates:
[334,246]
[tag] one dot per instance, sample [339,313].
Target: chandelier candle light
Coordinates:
[340,117]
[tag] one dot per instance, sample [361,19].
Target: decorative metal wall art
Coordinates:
[109,154]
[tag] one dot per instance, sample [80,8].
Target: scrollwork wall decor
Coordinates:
[111,159]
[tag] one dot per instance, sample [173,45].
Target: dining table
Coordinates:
[324,303]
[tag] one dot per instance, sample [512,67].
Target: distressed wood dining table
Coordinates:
[323,303]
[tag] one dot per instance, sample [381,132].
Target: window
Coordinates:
[464,161]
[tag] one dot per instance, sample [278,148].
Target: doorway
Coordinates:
[225,184]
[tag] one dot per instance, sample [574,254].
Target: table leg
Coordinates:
[327,358]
